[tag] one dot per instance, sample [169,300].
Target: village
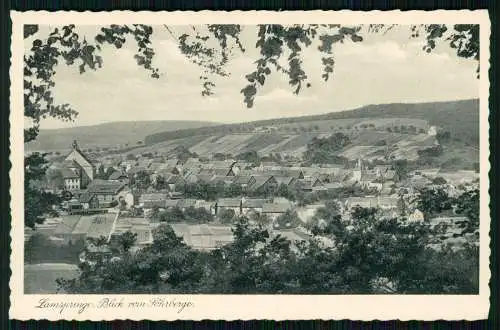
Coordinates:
[200,198]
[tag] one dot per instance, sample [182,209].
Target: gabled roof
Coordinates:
[261,180]
[69,174]
[67,224]
[105,186]
[85,157]
[70,163]
[242,179]
[86,197]
[287,180]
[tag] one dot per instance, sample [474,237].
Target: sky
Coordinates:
[390,68]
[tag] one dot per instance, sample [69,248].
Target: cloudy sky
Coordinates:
[382,69]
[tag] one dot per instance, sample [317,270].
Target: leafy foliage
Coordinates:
[324,150]
[370,254]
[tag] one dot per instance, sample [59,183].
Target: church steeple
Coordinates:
[75,145]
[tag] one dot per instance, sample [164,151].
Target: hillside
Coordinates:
[376,132]
[108,134]
[460,118]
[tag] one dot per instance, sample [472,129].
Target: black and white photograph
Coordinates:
[253,159]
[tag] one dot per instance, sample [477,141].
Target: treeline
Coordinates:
[461,118]
[325,150]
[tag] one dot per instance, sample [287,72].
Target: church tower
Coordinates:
[357,172]
[87,172]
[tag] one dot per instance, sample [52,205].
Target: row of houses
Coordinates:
[272,208]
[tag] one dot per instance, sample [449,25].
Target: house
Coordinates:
[186,203]
[268,166]
[286,180]
[138,226]
[382,202]
[228,204]
[152,200]
[207,205]
[378,186]
[294,235]
[106,192]
[72,179]
[380,170]
[365,202]
[137,169]
[130,197]
[333,186]
[387,203]
[175,195]
[286,172]
[244,181]
[223,171]
[203,237]
[174,181]
[389,175]
[64,230]
[263,183]
[170,203]
[225,180]
[252,205]
[79,161]
[204,178]
[366,178]
[274,210]
[89,201]
[127,164]
[244,165]
[95,226]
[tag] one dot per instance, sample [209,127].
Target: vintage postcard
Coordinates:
[250,165]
